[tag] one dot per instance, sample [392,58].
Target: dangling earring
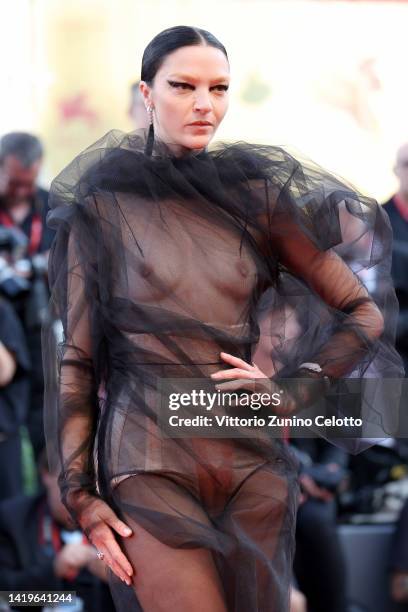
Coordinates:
[150,134]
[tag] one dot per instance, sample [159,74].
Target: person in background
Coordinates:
[39,550]
[397,210]
[399,560]
[137,110]
[14,399]
[298,601]
[218,512]
[319,565]
[24,247]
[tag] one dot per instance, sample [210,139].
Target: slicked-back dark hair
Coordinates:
[168,41]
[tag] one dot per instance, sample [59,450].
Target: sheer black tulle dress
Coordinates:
[159,263]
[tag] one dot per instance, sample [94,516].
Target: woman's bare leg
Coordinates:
[261,519]
[168,577]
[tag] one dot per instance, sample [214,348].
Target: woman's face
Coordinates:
[190,86]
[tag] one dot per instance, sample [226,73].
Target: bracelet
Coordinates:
[313,367]
[316,368]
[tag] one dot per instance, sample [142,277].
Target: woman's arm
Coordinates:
[77,400]
[78,408]
[328,276]
[336,284]
[8,366]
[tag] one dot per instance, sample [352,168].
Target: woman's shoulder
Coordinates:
[106,165]
[111,146]
[252,151]
[257,165]
[116,139]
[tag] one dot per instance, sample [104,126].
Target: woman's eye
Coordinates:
[187,86]
[179,85]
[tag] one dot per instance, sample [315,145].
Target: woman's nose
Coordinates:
[202,103]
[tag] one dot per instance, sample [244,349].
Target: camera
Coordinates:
[23,277]
[14,268]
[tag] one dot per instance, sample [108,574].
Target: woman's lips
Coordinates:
[200,126]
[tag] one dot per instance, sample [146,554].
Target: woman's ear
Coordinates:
[145,91]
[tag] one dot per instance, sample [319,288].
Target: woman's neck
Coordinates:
[181,151]
[178,150]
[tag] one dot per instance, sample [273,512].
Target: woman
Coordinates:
[163,253]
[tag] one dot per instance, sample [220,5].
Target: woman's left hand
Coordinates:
[242,376]
[248,377]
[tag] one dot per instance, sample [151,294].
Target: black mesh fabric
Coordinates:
[159,263]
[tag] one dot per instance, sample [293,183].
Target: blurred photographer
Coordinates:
[14,399]
[24,244]
[319,563]
[41,550]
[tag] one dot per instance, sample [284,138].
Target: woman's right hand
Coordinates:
[98,521]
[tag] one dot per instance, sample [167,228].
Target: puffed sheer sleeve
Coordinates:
[73,360]
[359,321]
[333,303]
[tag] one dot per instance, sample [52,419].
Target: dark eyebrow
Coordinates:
[189,77]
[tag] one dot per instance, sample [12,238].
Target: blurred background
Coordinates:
[325,77]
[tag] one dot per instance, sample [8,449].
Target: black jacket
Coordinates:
[399,273]
[25,564]
[14,398]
